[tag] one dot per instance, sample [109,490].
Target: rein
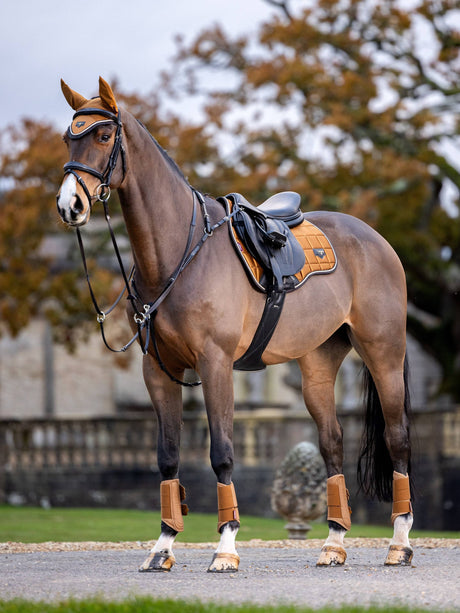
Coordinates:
[144,318]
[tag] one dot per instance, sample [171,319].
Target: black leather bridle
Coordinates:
[72,167]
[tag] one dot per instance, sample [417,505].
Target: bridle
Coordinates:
[144,317]
[72,167]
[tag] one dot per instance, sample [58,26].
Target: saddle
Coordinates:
[279,250]
[265,232]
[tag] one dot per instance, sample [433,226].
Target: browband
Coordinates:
[94,117]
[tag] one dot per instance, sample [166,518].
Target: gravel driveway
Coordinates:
[277,572]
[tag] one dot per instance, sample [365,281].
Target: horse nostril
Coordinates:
[77,206]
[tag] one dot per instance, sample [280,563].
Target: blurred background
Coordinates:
[353,104]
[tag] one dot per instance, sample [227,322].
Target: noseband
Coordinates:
[103,190]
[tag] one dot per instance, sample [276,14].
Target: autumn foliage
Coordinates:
[353,104]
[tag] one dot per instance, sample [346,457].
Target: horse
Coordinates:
[201,313]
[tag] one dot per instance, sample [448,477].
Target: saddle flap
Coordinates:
[271,243]
[288,259]
[248,231]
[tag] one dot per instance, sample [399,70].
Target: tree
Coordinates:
[39,275]
[355,105]
[40,268]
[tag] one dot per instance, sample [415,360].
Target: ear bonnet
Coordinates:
[92,113]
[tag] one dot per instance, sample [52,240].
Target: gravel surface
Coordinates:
[273,572]
[12,547]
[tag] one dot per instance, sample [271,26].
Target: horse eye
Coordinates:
[105,138]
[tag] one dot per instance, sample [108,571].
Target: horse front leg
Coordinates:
[217,377]
[167,401]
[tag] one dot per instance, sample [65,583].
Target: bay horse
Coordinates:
[205,314]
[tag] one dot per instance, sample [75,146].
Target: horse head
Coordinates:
[94,142]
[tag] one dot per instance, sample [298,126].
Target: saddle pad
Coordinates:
[320,256]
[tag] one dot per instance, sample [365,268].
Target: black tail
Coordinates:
[375,468]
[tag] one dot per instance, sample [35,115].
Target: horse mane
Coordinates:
[173,165]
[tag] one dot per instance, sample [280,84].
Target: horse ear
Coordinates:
[75,100]
[107,96]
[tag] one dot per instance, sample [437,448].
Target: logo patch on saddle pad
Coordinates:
[320,256]
[319,252]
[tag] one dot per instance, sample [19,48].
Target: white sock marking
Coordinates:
[227,540]
[165,541]
[335,538]
[402,527]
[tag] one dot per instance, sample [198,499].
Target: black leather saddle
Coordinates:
[265,232]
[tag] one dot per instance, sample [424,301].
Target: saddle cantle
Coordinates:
[280,250]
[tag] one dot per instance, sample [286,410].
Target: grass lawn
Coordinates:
[148,605]
[35,525]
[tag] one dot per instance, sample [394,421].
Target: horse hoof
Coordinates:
[331,556]
[224,563]
[158,561]
[399,556]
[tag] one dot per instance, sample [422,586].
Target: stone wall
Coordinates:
[111,462]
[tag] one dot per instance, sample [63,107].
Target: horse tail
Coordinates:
[375,468]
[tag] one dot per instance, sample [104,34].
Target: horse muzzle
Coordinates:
[73,206]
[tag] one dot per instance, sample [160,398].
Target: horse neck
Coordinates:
[157,206]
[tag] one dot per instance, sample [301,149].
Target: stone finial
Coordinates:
[299,489]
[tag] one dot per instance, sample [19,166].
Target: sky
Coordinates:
[132,40]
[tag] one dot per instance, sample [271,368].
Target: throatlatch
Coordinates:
[172,495]
[227,505]
[401,496]
[337,502]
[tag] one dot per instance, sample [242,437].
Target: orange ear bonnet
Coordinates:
[90,113]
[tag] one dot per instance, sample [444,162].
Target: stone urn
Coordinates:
[299,489]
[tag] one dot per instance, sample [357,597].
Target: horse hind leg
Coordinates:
[319,370]
[397,438]
[400,552]
[386,455]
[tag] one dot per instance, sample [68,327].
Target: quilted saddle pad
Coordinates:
[320,257]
